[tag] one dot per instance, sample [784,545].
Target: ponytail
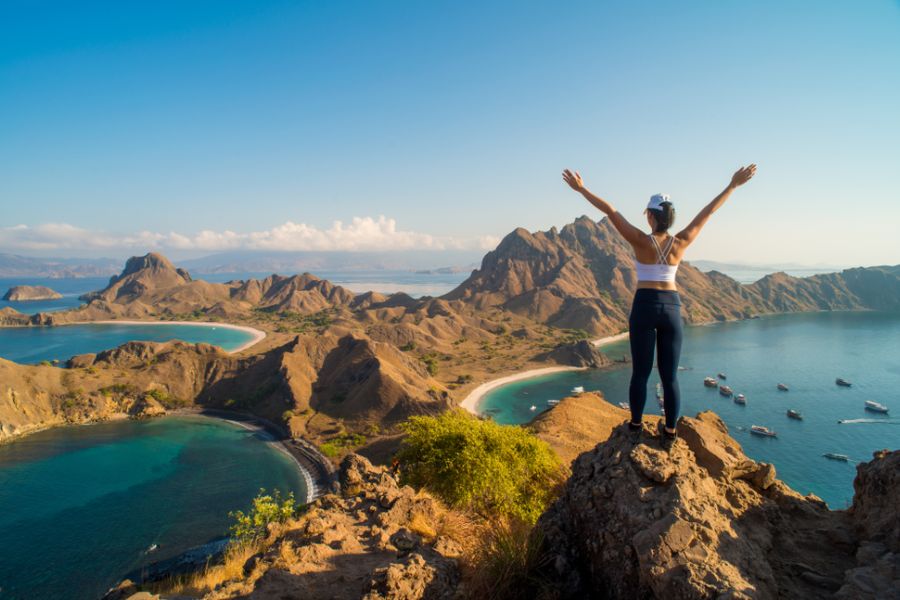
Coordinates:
[664,217]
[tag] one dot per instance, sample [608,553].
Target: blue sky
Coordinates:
[192,127]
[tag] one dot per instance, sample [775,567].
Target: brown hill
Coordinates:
[30,292]
[582,277]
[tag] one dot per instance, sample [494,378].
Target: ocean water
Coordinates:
[30,345]
[806,352]
[80,506]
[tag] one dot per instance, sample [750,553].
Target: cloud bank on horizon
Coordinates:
[360,234]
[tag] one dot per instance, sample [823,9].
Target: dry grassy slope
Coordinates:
[578,423]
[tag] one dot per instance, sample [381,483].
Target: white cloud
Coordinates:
[362,233]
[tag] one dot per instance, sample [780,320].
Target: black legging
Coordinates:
[655,320]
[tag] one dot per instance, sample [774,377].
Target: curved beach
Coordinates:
[475,396]
[256,333]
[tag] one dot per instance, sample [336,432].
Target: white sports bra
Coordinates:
[661,270]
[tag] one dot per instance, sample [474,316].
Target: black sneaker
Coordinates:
[634,431]
[666,438]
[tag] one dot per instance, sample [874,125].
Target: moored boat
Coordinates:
[659,390]
[722,376]
[793,414]
[763,431]
[533,408]
[876,407]
[624,405]
[782,387]
[710,382]
[842,382]
[740,399]
[833,456]
[725,390]
[552,402]
[578,389]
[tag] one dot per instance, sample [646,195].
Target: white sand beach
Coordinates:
[600,342]
[256,333]
[475,396]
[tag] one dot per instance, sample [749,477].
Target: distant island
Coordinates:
[30,292]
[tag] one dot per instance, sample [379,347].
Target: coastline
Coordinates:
[257,334]
[475,397]
[605,341]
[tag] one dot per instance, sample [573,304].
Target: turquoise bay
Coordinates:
[30,345]
[805,351]
[80,506]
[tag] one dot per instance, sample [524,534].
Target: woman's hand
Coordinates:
[573,178]
[742,176]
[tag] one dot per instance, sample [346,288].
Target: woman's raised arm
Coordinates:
[631,233]
[740,177]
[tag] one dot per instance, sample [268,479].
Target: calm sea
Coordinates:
[31,345]
[806,352]
[80,506]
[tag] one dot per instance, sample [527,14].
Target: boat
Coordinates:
[552,402]
[782,387]
[725,390]
[624,405]
[740,399]
[793,414]
[833,456]
[578,389]
[763,431]
[710,382]
[842,382]
[722,376]
[876,407]
[533,407]
[659,391]
[661,402]
[152,548]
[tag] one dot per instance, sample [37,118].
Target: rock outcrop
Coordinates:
[377,541]
[30,292]
[702,520]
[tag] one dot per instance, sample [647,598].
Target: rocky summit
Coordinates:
[701,520]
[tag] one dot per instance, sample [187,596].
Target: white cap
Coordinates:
[656,201]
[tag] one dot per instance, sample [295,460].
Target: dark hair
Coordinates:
[665,217]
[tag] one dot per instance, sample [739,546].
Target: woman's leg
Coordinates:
[669,335]
[642,336]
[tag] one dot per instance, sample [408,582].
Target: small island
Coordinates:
[30,292]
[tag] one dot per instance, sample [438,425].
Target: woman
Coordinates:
[656,311]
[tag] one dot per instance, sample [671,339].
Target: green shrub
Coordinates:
[480,465]
[408,346]
[265,509]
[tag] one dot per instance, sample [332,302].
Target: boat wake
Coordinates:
[861,421]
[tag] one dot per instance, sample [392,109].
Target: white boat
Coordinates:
[710,382]
[833,456]
[552,402]
[763,431]
[782,387]
[740,399]
[152,548]
[533,407]
[876,407]
[659,390]
[578,389]
[624,405]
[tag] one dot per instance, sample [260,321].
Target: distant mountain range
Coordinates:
[286,263]
[14,265]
